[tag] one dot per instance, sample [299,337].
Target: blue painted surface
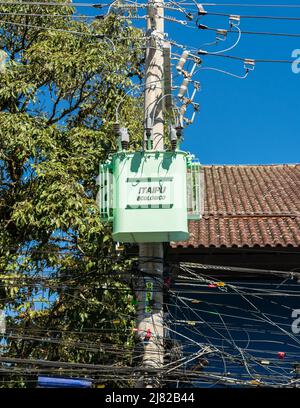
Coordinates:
[52,382]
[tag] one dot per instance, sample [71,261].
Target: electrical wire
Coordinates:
[267,33]
[232,46]
[254,17]
[223,72]
[14,14]
[244,5]
[56,4]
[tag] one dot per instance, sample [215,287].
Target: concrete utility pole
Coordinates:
[150,286]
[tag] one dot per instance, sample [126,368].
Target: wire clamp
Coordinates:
[201,10]
[249,64]
[234,19]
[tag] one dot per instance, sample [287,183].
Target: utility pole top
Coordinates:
[153,119]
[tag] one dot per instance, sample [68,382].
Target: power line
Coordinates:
[254,17]
[70,16]
[52,29]
[258,60]
[244,5]
[46,4]
[268,33]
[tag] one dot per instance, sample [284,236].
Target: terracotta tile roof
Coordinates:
[249,206]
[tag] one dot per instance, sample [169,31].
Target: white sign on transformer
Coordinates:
[149,193]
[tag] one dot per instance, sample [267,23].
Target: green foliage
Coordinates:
[59,95]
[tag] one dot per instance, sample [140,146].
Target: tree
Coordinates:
[63,82]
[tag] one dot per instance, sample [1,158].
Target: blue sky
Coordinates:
[251,121]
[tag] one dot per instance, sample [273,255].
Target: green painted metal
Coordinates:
[195,187]
[105,195]
[145,195]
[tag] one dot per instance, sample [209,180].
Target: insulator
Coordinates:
[202,26]
[148,132]
[173,138]
[148,127]
[174,144]
[183,88]
[179,132]
[173,135]
[124,138]
[182,61]
[116,127]
[124,134]
[183,109]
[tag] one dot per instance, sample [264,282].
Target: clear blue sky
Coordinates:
[252,121]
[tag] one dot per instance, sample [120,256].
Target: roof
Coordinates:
[248,206]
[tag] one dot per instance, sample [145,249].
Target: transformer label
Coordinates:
[150,194]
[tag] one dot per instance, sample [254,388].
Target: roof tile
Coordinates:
[249,206]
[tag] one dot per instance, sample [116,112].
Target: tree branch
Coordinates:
[58,99]
[71,109]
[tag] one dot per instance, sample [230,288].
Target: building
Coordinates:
[226,293]
[251,218]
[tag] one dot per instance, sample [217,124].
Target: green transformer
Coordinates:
[149,195]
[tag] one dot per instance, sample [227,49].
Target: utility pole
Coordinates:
[150,325]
